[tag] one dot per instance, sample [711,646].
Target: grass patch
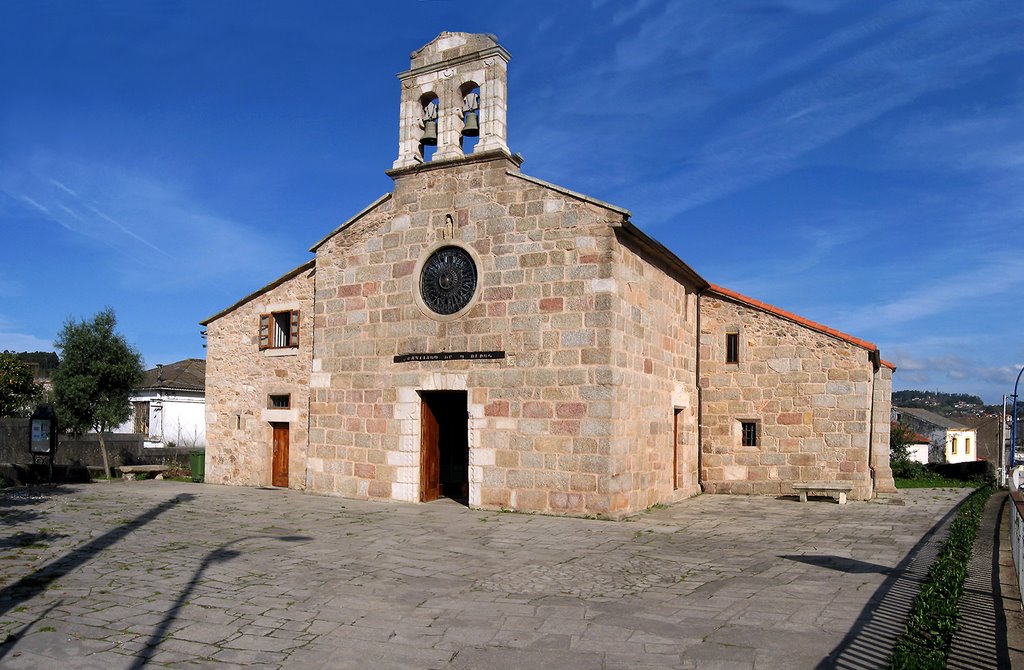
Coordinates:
[932,621]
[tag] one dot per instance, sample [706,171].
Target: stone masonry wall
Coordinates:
[653,354]
[239,379]
[809,393]
[881,413]
[540,419]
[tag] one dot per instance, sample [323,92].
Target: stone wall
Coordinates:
[809,393]
[540,419]
[84,450]
[653,353]
[881,417]
[240,378]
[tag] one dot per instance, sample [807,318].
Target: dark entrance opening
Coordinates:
[444,446]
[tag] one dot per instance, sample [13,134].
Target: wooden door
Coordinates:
[279,476]
[675,450]
[430,454]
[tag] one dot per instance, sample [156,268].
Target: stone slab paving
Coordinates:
[980,639]
[162,574]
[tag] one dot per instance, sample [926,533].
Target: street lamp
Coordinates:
[1013,431]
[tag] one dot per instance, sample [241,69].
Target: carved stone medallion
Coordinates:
[448,280]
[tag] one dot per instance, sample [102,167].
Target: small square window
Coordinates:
[279,330]
[283,401]
[732,347]
[749,433]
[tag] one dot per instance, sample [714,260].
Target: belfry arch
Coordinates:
[475,82]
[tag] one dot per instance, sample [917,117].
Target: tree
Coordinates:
[900,438]
[17,390]
[97,373]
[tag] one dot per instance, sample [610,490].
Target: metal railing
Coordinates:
[1017,536]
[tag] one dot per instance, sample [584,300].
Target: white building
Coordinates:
[950,441]
[170,406]
[919,449]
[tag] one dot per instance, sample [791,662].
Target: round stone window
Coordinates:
[448,280]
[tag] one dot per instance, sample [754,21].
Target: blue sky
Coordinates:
[859,163]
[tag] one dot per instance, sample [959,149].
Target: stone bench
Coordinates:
[130,471]
[828,488]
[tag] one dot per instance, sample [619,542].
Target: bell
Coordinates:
[471,128]
[429,133]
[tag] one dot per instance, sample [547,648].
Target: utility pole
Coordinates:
[1002,445]
[1013,431]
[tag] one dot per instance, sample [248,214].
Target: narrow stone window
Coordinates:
[748,431]
[732,347]
[282,401]
[967,446]
[954,444]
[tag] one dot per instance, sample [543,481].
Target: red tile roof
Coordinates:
[807,323]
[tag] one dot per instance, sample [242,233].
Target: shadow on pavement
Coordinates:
[8,644]
[839,563]
[32,585]
[11,500]
[221,554]
[868,644]
[980,642]
[23,540]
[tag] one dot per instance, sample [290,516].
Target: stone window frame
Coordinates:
[287,401]
[732,347]
[754,434]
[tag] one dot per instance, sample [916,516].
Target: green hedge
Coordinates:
[932,621]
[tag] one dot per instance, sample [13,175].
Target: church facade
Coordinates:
[484,335]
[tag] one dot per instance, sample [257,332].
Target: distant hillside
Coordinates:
[45,361]
[947,404]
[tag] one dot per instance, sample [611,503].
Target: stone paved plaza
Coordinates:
[163,574]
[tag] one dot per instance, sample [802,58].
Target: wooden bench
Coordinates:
[130,471]
[828,488]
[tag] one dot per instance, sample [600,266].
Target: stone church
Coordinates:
[483,335]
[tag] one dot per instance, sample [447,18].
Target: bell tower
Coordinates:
[454,89]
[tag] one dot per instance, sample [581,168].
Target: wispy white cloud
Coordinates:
[13,339]
[954,373]
[124,229]
[64,206]
[64,188]
[32,203]
[981,279]
[672,65]
[164,238]
[23,342]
